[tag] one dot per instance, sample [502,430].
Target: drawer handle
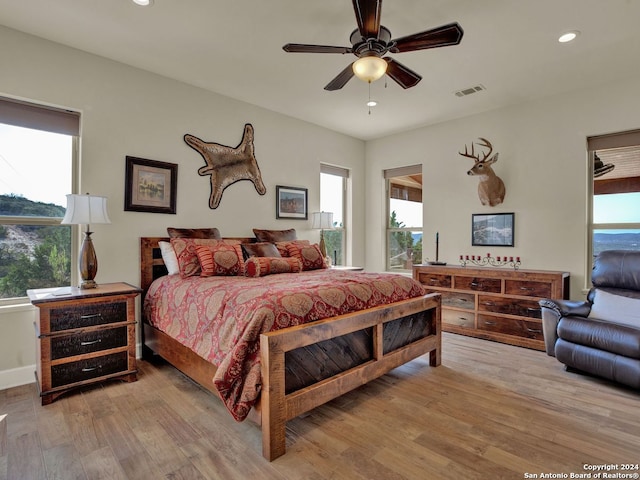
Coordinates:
[489,304]
[84,344]
[526,289]
[433,280]
[490,323]
[91,369]
[533,330]
[474,284]
[93,315]
[532,309]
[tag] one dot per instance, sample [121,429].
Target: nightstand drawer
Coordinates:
[88,315]
[88,342]
[68,373]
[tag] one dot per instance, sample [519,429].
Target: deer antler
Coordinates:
[483,143]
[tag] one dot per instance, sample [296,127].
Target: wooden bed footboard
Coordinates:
[386,337]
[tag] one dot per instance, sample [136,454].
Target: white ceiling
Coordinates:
[234,47]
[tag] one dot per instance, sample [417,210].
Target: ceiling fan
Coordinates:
[371,41]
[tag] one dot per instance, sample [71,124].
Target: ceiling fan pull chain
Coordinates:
[369,102]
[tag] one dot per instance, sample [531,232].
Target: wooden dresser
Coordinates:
[497,304]
[84,336]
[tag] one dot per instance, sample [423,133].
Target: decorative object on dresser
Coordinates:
[228,165]
[291,202]
[498,261]
[84,336]
[491,189]
[81,210]
[437,262]
[494,304]
[322,221]
[150,186]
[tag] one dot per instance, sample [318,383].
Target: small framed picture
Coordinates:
[492,230]
[291,202]
[150,186]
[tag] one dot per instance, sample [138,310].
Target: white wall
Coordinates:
[127,111]
[543,162]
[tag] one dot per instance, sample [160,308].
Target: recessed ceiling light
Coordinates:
[143,3]
[568,36]
[372,103]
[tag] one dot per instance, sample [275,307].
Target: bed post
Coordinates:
[274,415]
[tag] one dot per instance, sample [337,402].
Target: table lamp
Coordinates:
[86,209]
[322,220]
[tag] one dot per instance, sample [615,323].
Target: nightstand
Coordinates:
[84,336]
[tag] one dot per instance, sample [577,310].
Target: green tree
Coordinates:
[402,250]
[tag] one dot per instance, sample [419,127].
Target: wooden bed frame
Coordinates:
[276,406]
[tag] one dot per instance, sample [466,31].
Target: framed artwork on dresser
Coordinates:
[492,229]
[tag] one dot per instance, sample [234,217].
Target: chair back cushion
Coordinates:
[616,308]
[617,269]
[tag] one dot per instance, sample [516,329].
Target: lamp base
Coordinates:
[88,284]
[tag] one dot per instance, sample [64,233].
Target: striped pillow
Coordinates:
[261,266]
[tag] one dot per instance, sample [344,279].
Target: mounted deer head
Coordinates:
[491,189]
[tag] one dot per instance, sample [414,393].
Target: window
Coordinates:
[615,199]
[333,188]
[37,149]
[404,228]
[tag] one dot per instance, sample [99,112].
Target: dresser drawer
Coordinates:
[459,319]
[480,284]
[458,300]
[508,305]
[527,288]
[87,315]
[88,342]
[520,328]
[72,372]
[434,280]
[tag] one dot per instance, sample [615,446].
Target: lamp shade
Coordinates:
[321,220]
[369,69]
[85,209]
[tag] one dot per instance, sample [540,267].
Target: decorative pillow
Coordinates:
[616,308]
[282,246]
[261,266]
[169,258]
[259,249]
[194,233]
[309,255]
[274,235]
[220,260]
[185,249]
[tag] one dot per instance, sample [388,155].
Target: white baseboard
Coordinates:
[17,376]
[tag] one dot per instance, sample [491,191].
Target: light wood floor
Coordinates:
[491,411]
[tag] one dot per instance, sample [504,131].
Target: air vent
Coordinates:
[469,91]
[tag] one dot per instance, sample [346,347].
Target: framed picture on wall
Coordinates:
[492,229]
[150,186]
[291,202]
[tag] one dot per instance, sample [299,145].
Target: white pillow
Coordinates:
[169,257]
[616,308]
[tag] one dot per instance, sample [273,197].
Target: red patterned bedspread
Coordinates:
[221,318]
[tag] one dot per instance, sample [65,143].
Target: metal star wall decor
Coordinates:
[228,165]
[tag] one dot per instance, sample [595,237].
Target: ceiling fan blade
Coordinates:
[302,48]
[450,34]
[402,75]
[368,17]
[341,79]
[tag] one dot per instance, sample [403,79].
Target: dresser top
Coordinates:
[58,294]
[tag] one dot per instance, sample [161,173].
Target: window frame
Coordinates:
[388,175]
[343,173]
[594,144]
[21,113]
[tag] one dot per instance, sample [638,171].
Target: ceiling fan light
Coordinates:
[143,3]
[568,36]
[370,68]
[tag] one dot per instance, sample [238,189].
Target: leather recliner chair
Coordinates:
[600,336]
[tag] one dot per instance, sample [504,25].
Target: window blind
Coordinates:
[38,117]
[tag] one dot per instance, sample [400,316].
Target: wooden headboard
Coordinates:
[151,263]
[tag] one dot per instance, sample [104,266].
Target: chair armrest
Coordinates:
[552,311]
[564,308]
